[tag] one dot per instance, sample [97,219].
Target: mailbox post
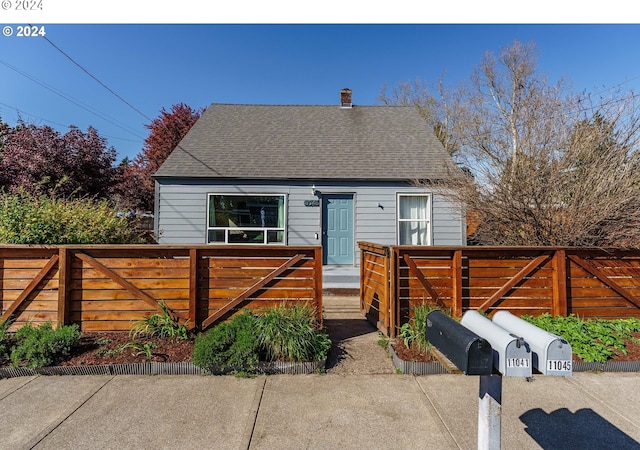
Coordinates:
[506,346]
[511,358]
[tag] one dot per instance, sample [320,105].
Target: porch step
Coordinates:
[340,277]
[334,306]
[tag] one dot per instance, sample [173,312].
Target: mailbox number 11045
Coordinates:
[559,365]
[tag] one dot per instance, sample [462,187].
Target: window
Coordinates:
[246,219]
[414,219]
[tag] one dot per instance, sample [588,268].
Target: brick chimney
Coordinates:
[345,98]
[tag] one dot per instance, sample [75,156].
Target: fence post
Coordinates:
[456,268]
[362,261]
[391,254]
[194,257]
[64,285]
[387,297]
[317,255]
[560,307]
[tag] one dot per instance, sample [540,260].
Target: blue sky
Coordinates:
[155,66]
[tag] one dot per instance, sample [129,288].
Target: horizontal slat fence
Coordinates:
[374,285]
[109,288]
[586,282]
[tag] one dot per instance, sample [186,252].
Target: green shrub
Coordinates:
[282,333]
[593,340]
[43,345]
[41,219]
[4,338]
[291,334]
[162,325]
[229,345]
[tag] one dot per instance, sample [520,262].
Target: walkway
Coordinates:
[355,340]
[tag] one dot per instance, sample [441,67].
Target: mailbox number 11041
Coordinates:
[517,362]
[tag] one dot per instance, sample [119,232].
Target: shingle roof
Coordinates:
[308,142]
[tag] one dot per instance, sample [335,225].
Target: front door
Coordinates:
[337,229]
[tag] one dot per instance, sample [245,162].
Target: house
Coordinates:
[307,175]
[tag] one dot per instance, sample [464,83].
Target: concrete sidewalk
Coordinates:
[586,411]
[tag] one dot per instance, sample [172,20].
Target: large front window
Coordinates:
[414,220]
[246,219]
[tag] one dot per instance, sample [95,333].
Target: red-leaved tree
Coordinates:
[38,159]
[166,131]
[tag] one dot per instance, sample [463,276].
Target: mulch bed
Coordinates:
[103,348]
[413,354]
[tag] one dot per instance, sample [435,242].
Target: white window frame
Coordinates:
[427,220]
[228,230]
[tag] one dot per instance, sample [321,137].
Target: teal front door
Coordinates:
[337,228]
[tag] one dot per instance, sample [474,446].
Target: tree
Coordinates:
[38,159]
[441,110]
[545,166]
[137,188]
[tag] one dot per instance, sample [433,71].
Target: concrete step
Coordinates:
[341,306]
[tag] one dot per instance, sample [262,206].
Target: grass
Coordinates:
[291,334]
[413,333]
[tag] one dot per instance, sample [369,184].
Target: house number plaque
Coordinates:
[312,203]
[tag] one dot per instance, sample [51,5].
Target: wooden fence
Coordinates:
[524,280]
[108,288]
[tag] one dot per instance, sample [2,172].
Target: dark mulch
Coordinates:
[633,352]
[98,348]
[411,354]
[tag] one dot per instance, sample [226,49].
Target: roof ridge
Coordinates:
[309,105]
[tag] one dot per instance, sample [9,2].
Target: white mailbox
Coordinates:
[551,354]
[511,354]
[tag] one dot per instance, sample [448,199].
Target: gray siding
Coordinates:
[449,224]
[182,209]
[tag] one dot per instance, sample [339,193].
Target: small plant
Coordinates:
[383,341]
[413,333]
[102,342]
[110,351]
[162,325]
[41,346]
[291,334]
[141,348]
